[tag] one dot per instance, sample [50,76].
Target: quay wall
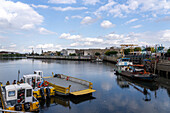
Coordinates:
[112,59]
[163,69]
[80,58]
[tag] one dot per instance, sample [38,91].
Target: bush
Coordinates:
[72,54]
[109,53]
[97,54]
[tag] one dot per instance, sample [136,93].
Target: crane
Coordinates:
[127,45]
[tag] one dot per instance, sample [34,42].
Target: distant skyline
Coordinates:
[60,24]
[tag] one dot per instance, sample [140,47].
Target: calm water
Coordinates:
[113,93]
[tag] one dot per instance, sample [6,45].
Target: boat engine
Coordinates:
[42,93]
[48,92]
[18,107]
[27,106]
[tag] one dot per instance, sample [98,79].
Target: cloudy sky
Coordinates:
[57,24]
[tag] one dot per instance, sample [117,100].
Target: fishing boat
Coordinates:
[18,97]
[41,88]
[137,72]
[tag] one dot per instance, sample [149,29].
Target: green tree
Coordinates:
[137,49]
[168,51]
[97,54]
[126,51]
[72,54]
[108,53]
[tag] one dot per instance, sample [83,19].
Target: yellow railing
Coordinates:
[77,80]
[61,89]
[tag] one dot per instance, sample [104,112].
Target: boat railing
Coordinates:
[77,80]
[2,99]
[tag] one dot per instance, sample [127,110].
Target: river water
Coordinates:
[114,94]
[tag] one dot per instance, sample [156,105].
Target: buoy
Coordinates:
[39,84]
[67,78]
[45,84]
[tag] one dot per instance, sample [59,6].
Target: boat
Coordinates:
[57,84]
[122,64]
[137,72]
[67,85]
[18,97]
[41,88]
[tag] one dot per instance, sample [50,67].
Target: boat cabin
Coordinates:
[18,93]
[32,79]
[124,62]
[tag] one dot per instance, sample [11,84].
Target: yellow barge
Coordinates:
[65,85]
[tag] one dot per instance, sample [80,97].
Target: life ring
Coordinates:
[67,78]
[39,84]
[45,83]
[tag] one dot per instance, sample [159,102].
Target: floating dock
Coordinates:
[65,85]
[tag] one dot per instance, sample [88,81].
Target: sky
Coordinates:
[60,24]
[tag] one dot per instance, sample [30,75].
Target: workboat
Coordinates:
[137,72]
[18,97]
[57,84]
[122,64]
[67,85]
[41,88]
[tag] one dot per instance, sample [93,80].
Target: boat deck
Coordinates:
[70,85]
[64,83]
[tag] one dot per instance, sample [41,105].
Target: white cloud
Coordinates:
[88,20]
[106,24]
[137,26]
[13,45]
[91,2]
[16,15]
[69,36]
[28,26]
[66,18]
[76,16]
[62,1]
[45,31]
[39,6]
[152,7]
[132,20]
[165,36]
[69,8]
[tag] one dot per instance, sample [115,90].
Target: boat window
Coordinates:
[11,93]
[29,92]
[28,80]
[38,78]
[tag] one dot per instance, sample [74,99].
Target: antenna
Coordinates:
[18,74]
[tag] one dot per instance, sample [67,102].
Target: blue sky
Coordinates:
[57,24]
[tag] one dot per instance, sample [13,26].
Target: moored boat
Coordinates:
[18,97]
[41,88]
[137,72]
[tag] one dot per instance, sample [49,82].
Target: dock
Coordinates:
[65,85]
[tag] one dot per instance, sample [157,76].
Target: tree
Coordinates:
[126,51]
[72,54]
[108,53]
[137,49]
[168,51]
[97,54]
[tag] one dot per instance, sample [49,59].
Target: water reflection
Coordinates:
[113,93]
[140,86]
[64,101]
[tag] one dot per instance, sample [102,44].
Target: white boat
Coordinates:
[18,97]
[41,88]
[122,65]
